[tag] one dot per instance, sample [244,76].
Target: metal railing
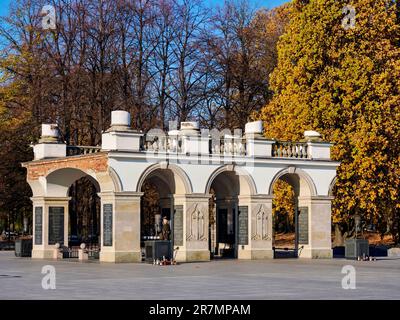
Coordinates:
[93,252]
[286,149]
[70,253]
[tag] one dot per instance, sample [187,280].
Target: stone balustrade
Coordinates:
[81,150]
[162,144]
[225,146]
[287,149]
[232,146]
[189,140]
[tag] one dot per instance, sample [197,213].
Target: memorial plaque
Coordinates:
[178,226]
[38,225]
[243,225]
[107,224]
[303,225]
[56,225]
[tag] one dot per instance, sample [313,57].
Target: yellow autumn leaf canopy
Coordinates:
[345,82]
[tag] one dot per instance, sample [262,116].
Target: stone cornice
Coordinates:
[219,159]
[68,159]
[49,199]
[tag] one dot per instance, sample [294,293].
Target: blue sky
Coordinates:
[258,3]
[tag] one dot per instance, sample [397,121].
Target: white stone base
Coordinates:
[312,253]
[120,256]
[256,254]
[193,256]
[43,254]
[394,252]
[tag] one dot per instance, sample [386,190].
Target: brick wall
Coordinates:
[96,162]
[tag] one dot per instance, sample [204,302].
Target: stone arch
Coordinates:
[58,181]
[303,176]
[115,180]
[245,179]
[331,186]
[38,186]
[183,184]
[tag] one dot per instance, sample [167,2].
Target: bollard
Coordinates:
[82,253]
[57,253]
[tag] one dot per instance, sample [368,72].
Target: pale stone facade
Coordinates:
[187,168]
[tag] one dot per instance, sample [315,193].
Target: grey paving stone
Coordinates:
[20,278]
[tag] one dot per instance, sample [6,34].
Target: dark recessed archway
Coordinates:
[292,191]
[84,213]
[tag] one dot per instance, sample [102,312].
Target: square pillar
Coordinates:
[120,227]
[191,234]
[319,226]
[258,146]
[257,210]
[50,225]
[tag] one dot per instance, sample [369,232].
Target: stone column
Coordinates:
[120,227]
[50,225]
[195,227]
[259,226]
[319,226]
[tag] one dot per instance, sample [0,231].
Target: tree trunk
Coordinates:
[339,237]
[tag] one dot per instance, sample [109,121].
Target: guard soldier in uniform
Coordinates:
[166,229]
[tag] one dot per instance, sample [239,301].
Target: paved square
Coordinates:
[20,278]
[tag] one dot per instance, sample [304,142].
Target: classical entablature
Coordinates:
[188,167]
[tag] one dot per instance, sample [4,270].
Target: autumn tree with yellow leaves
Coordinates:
[341,77]
[283,207]
[14,148]
[159,60]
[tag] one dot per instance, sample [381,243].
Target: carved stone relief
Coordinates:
[262,221]
[197,224]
